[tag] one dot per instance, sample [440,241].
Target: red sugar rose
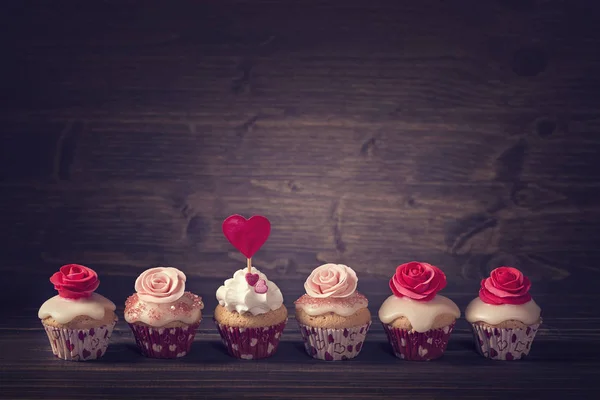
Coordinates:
[506,285]
[418,281]
[74,281]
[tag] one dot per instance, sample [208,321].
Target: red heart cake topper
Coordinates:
[247,235]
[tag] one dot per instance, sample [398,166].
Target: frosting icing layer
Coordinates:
[420,314]
[186,309]
[64,310]
[236,294]
[477,310]
[343,306]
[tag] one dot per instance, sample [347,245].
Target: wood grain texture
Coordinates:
[370,133]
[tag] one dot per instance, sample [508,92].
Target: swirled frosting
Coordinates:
[64,310]
[236,294]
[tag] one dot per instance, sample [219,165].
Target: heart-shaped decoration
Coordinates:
[261,287]
[339,348]
[252,279]
[422,351]
[247,235]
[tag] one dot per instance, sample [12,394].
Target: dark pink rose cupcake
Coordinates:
[504,317]
[417,320]
[78,321]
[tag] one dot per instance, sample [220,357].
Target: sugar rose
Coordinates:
[74,281]
[331,280]
[506,285]
[160,285]
[418,281]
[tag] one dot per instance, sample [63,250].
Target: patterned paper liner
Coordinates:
[79,344]
[504,344]
[164,342]
[334,344]
[418,346]
[251,343]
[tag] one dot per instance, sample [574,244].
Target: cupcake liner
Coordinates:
[418,346]
[504,344]
[334,344]
[79,344]
[164,342]
[251,343]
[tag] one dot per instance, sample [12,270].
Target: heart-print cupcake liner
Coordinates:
[164,342]
[251,343]
[79,344]
[334,344]
[504,344]
[418,346]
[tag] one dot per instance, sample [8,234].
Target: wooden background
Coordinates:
[462,133]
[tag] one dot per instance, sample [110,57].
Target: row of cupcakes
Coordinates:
[333,317]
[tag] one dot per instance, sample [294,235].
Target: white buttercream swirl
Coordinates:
[237,295]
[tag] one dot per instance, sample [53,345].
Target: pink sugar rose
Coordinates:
[74,281]
[160,285]
[418,281]
[506,285]
[331,280]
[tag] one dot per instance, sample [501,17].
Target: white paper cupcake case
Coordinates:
[79,344]
[334,344]
[504,344]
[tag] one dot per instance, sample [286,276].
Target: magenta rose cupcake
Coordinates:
[333,316]
[78,321]
[418,321]
[504,317]
[162,315]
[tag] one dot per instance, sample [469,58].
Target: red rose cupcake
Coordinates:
[417,320]
[162,315]
[78,321]
[504,317]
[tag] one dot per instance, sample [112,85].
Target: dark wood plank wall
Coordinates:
[371,134]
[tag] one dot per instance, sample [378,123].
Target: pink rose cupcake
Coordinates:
[417,320]
[333,317]
[78,321]
[162,315]
[504,317]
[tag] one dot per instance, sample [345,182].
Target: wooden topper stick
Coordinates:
[249,263]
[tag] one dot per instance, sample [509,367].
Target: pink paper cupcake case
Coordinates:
[251,343]
[79,344]
[164,342]
[418,346]
[334,344]
[504,344]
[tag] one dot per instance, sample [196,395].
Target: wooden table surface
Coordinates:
[463,133]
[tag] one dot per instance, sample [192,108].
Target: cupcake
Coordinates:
[417,320]
[162,315]
[78,321]
[504,317]
[333,317]
[250,316]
